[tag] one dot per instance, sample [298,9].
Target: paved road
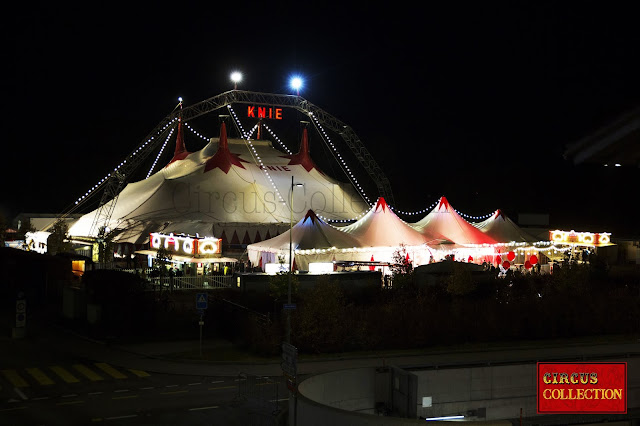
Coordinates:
[58,377]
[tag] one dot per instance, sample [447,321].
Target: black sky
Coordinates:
[473,101]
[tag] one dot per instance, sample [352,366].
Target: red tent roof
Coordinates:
[223,158]
[444,222]
[180,152]
[302,157]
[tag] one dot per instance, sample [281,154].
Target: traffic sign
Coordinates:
[289,306]
[201,301]
[289,359]
[21,313]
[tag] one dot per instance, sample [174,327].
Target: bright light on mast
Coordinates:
[236,77]
[296,84]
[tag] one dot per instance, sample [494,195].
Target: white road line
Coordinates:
[203,408]
[40,397]
[71,395]
[95,393]
[147,388]
[20,393]
[277,400]
[121,417]
[171,386]
[194,384]
[218,381]
[121,390]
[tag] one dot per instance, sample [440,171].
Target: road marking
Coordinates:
[64,374]
[139,373]
[125,397]
[173,392]
[39,375]
[218,381]
[223,387]
[40,397]
[14,408]
[98,419]
[15,379]
[147,388]
[110,370]
[171,386]
[278,400]
[194,384]
[88,373]
[95,393]
[121,417]
[70,403]
[121,390]
[203,408]
[71,395]
[20,393]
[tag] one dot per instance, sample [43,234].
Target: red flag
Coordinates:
[372,268]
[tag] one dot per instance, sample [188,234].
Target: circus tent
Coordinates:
[234,189]
[445,223]
[503,230]
[312,240]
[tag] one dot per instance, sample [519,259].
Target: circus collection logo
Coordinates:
[571,388]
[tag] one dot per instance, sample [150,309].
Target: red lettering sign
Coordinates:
[264,112]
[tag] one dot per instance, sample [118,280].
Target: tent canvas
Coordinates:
[502,229]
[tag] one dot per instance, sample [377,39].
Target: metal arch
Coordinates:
[117,179]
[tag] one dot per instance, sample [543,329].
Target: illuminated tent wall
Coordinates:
[312,240]
[449,233]
[237,190]
[381,233]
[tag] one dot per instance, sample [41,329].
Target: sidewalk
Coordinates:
[160,357]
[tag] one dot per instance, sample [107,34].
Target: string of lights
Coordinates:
[339,157]
[134,153]
[153,166]
[245,135]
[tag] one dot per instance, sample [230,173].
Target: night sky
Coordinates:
[474,102]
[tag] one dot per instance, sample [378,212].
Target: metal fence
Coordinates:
[198,282]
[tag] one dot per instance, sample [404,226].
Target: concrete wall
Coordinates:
[348,397]
[501,390]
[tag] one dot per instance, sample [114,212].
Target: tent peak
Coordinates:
[180,152]
[303,157]
[381,204]
[223,158]
[310,215]
[444,202]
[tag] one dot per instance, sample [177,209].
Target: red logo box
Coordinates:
[582,387]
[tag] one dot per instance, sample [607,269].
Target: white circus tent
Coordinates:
[503,230]
[232,188]
[311,239]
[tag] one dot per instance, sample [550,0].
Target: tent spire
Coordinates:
[302,157]
[180,152]
[223,158]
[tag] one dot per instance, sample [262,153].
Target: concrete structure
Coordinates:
[482,394]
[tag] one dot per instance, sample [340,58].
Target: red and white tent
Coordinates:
[444,223]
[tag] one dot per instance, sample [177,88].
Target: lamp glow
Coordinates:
[236,77]
[296,84]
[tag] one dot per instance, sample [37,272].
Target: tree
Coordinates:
[58,240]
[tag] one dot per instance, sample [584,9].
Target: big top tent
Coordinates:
[231,187]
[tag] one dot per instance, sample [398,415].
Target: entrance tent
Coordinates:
[381,233]
[312,240]
[236,188]
[504,230]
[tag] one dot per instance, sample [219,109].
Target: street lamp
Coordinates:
[236,77]
[290,258]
